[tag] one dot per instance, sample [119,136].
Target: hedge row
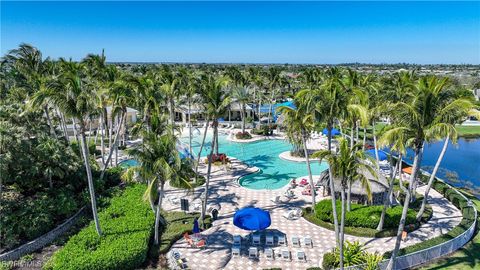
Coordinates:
[468,214]
[127,225]
[365,216]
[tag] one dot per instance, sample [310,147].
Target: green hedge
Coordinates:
[365,216]
[468,214]
[127,225]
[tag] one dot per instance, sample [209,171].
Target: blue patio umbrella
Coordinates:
[252,219]
[381,154]
[196,228]
[335,132]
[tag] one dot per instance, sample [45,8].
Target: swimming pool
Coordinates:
[128,163]
[274,172]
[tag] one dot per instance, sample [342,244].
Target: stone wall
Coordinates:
[43,240]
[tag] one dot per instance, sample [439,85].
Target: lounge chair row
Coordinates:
[285,254]
[270,240]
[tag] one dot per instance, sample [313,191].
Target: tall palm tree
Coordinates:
[158,163]
[299,125]
[242,96]
[273,76]
[72,93]
[348,166]
[327,103]
[216,101]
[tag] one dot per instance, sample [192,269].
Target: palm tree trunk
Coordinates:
[432,178]
[111,150]
[189,127]
[349,196]
[329,135]
[356,127]
[216,135]
[401,226]
[387,198]
[201,148]
[310,178]
[157,215]
[102,136]
[63,125]
[341,129]
[364,138]
[243,118]
[49,121]
[334,206]
[96,133]
[342,227]
[110,141]
[74,125]
[207,183]
[172,114]
[352,132]
[413,187]
[50,182]
[89,129]
[105,120]
[376,148]
[89,178]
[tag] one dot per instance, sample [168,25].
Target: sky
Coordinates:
[248,32]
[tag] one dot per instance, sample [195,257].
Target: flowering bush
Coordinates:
[220,158]
[243,135]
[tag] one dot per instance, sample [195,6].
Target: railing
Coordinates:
[422,256]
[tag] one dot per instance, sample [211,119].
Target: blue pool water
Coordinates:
[128,163]
[274,172]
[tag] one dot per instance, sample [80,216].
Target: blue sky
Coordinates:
[251,32]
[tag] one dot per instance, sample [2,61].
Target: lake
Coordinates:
[462,158]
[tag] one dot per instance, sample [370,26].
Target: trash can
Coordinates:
[215,214]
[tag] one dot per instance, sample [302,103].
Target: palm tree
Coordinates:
[273,78]
[216,101]
[52,162]
[327,103]
[298,128]
[34,75]
[428,115]
[72,93]
[349,166]
[242,96]
[158,163]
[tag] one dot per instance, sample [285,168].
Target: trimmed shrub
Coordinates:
[127,225]
[243,135]
[364,216]
[328,261]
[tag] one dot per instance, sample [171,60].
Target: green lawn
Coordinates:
[467,257]
[463,131]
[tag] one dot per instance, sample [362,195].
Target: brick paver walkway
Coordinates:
[226,194]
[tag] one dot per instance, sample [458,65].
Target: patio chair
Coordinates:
[276,199]
[295,241]
[236,251]
[256,239]
[237,240]
[269,240]
[303,182]
[286,255]
[290,215]
[301,256]
[253,252]
[269,254]
[201,244]
[307,241]
[282,240]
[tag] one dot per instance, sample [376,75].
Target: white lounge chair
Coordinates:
[301,255]
[173,199]
[236,251]
[256,239]
[295,241]
[307,241]
[276,199]
[253,252]
[269,240]
[282,240]
[237,240]
[269,254]
[286,255]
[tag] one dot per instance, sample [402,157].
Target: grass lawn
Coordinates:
[468,131]
[467,257]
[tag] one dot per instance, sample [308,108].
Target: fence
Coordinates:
[422,256]
[42,240]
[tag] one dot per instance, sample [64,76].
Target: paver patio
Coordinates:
[226,194]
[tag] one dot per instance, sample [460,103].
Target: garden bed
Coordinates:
[362,220]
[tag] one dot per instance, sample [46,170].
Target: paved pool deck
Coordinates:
[228,196]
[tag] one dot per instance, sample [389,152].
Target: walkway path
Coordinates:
[227,194]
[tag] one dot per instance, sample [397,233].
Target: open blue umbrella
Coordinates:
[252,219]
[196,228]
[335,132]
[381,154]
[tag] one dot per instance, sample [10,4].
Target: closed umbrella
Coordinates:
[196,228]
